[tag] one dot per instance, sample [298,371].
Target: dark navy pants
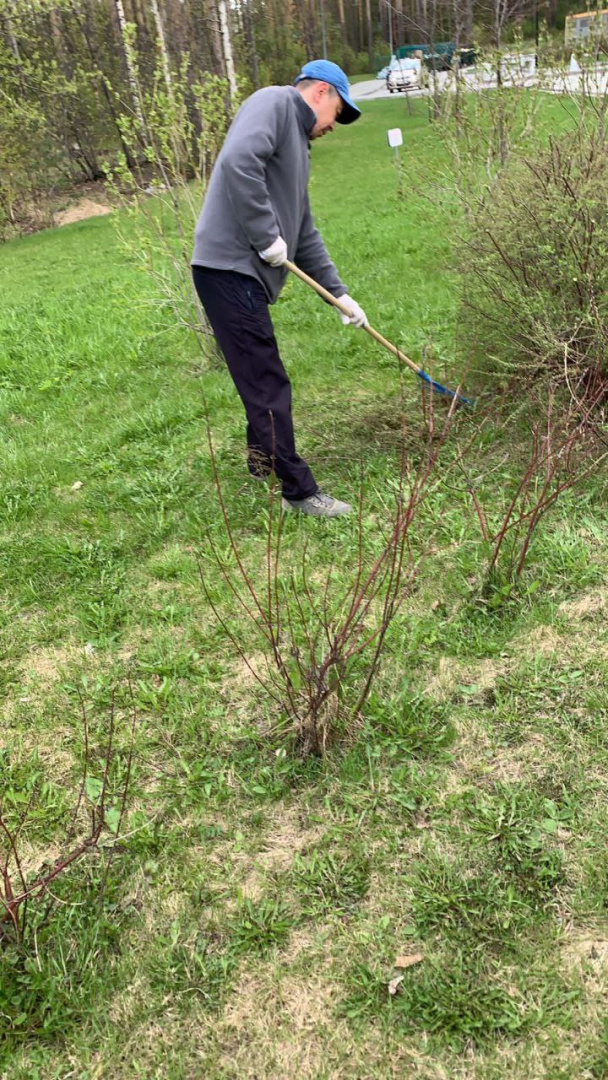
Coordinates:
[237,310]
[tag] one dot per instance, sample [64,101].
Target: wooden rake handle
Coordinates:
[337,303]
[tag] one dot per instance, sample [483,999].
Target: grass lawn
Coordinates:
[252,914]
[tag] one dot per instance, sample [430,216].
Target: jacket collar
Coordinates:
[306,115]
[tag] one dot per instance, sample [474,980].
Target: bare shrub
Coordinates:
[534,271]
[322,634]
[100,803]
[558,448]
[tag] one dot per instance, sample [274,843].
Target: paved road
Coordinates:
[482,77]
[376,88]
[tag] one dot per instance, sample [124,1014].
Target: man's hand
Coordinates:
[357,315]
[276,254]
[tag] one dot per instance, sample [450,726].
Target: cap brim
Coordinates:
[349,112]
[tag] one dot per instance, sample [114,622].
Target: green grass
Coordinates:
[254,909]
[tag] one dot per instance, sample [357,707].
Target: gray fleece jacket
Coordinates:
[258,191]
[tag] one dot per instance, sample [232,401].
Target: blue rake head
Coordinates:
[439,389]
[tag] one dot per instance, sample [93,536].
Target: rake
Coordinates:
[419,371]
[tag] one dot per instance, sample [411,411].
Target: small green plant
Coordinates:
[599,1063]
[46,989]
[414,722]
[519,827]
[562,448]
[480,907]
[197,967]
[330,883]
[260,925]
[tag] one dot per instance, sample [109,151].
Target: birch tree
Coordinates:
[129,62]
[227,48]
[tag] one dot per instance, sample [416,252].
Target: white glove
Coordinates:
[276,254]
[357,315]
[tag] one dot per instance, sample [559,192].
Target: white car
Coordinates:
[403,75]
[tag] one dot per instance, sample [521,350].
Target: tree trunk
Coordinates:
[83,23]
[323,34]
[13,42]
[162,46]
[175,21]
[342,21]
[215,39]
[313,51]
[466,18]
[227,48]
[140,12]
[131,73]
[10,33]
[249,31]
[370,34]
[552,11]
[397,23]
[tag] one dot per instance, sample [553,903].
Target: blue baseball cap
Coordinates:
[326,71]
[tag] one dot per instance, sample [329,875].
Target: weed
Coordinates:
[196,969]
[413,722]
[330,883]
[457,999]
[259,926]
[449,900]
[518,827]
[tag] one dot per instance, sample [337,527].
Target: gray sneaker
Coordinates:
[319,505]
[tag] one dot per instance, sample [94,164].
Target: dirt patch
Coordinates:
[448,676]
[36,860]
[279,1026]
[81,210]
[292,1043]
[588,948]
[452,673]
[544,641]
[307,1002]
[286,837]
[516,764]
[248,671]
[587,606]
[588,954]
[46,666]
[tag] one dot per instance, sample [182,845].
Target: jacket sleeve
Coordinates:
[312,257]
[254,136]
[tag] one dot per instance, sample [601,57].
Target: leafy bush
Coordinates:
[535,274]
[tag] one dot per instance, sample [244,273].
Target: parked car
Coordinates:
[467,57]
[403,75]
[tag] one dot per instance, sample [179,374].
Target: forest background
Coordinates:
[73,73]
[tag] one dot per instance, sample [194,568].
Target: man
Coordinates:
[256,215]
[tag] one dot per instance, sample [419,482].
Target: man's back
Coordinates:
[258,187]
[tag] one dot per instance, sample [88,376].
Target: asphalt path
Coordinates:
[593,81]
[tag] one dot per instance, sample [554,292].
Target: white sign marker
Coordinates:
[394,137]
